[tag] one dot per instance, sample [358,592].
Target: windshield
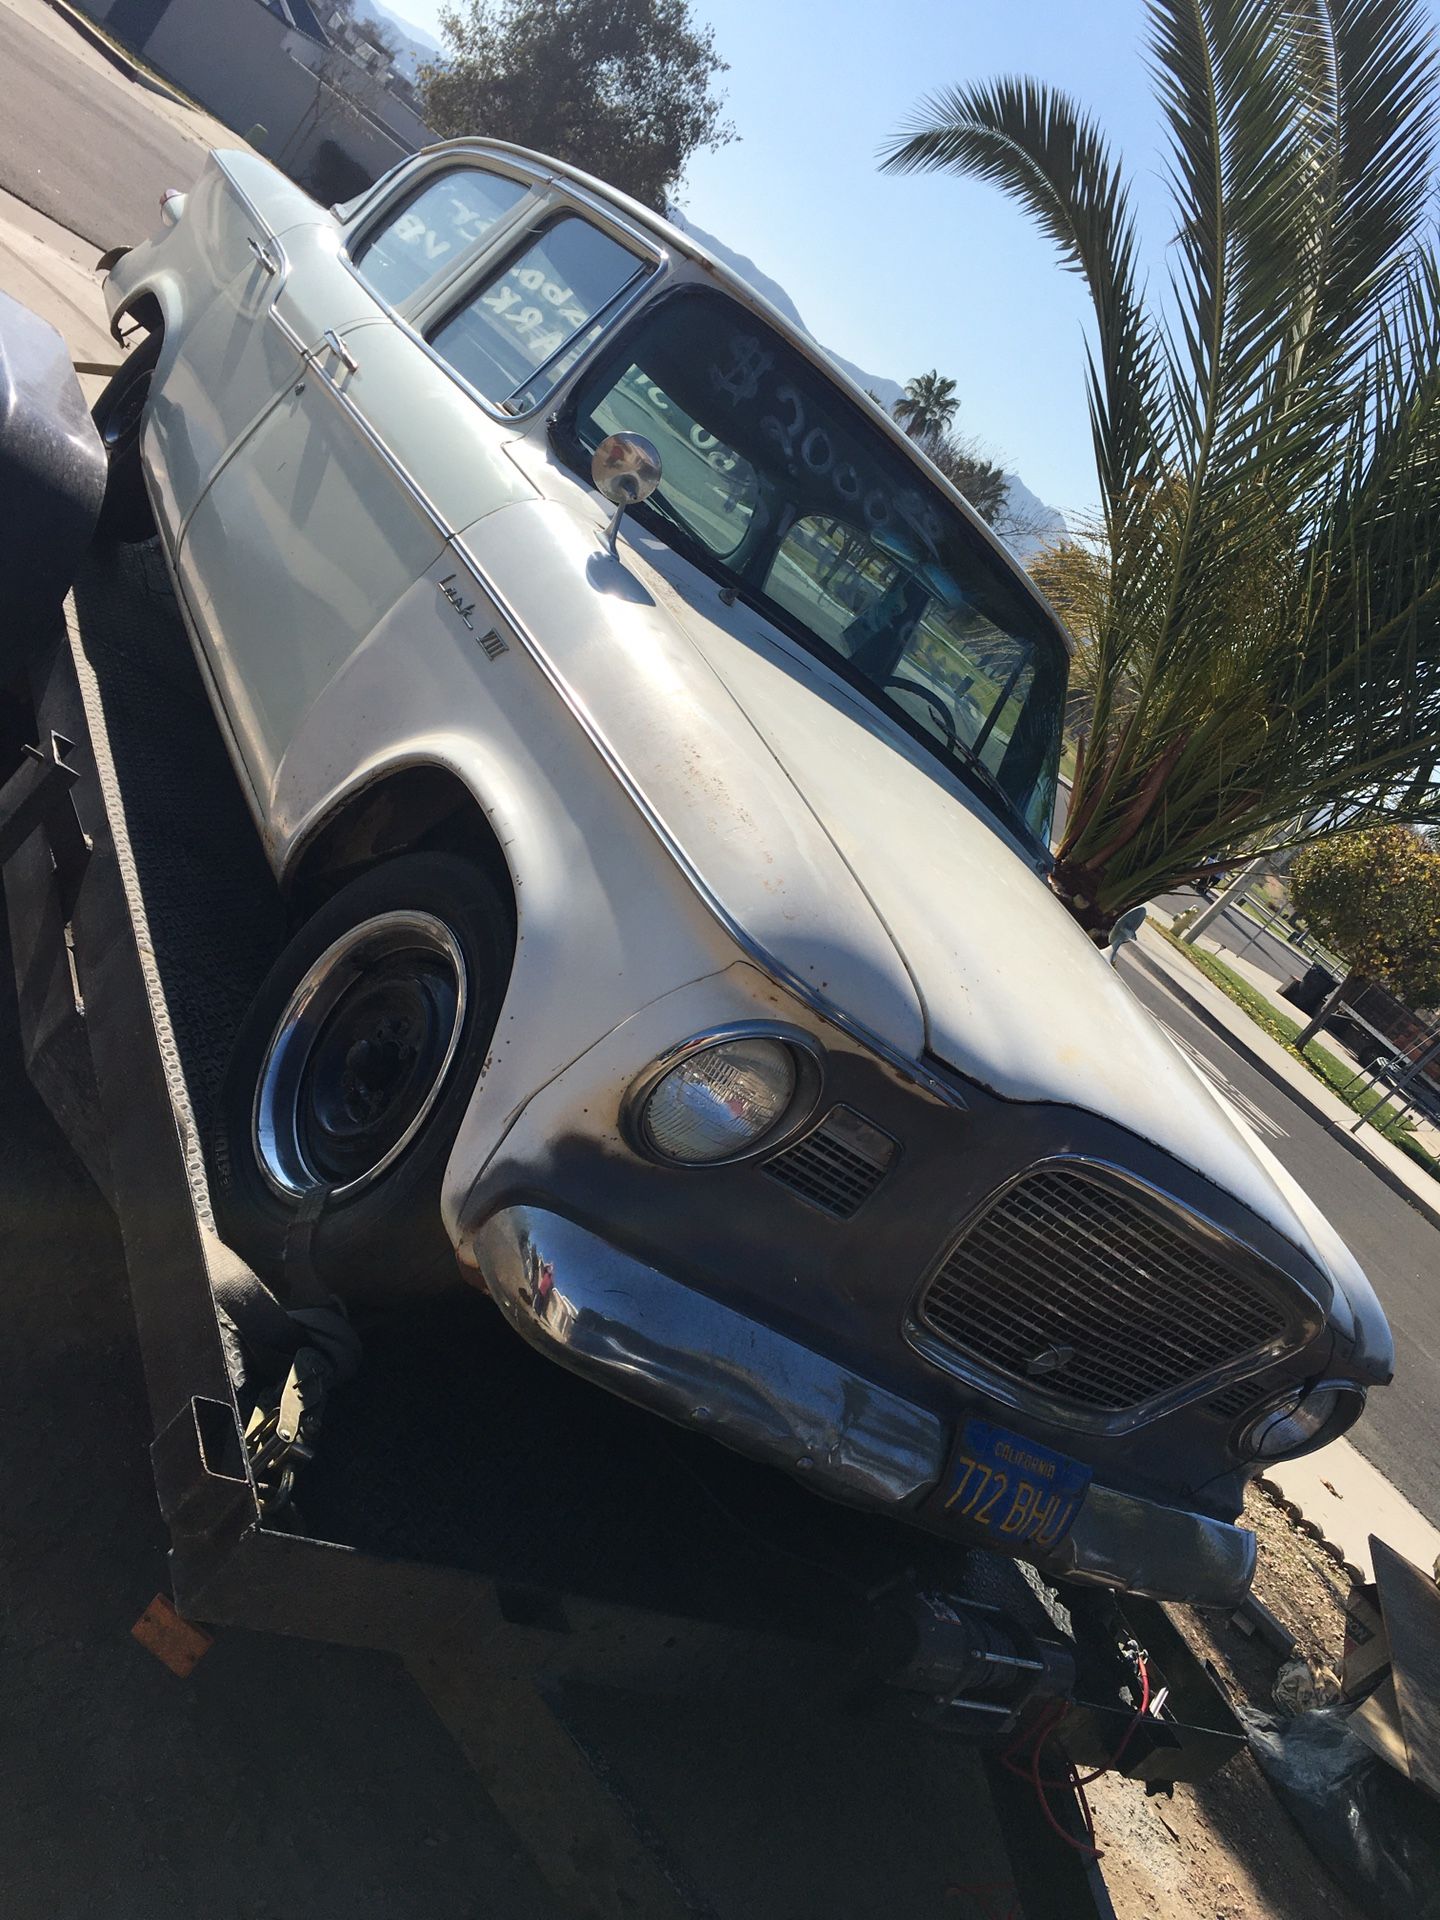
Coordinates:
[780,486]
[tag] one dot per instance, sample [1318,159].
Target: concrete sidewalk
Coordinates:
[1337,1489]
[1216,1010]
[1265,984]
[52,271]
[1348,1499]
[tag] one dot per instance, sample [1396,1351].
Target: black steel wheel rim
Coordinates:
[360,1055]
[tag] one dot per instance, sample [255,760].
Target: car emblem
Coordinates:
[1050,1360]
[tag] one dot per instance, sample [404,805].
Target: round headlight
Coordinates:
[720,1101]
[1302,1419]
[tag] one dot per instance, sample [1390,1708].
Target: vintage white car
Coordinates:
[674,948]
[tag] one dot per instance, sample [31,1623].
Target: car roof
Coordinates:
[675,240]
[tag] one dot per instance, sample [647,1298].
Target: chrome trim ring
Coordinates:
[283,1088]
[809,1061]
[1349,1405]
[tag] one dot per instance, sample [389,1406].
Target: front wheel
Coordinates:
[351,1072]
[118,414]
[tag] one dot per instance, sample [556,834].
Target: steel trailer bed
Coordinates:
[513,1532]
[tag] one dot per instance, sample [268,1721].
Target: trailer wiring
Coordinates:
[1025,1755]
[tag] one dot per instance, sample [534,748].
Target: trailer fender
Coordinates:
[52,478]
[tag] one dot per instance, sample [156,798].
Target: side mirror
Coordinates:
[1127,927]
[626,470]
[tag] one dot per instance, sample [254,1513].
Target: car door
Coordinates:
[255,264]
[391,436]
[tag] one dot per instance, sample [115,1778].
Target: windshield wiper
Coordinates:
[969,762]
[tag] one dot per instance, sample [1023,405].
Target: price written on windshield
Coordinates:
[807,445]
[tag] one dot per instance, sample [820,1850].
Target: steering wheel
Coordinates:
[932,700]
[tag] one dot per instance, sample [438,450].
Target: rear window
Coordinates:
[432,230]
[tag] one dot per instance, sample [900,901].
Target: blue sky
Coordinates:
[906,273]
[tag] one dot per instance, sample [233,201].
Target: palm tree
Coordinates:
[1266,654]
[927,406]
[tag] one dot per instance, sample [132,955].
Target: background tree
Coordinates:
[621,88]
[927,410]
[964,466]
[927,406]
[1267,433]
[1374,897]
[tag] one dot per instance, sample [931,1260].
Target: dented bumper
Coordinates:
[654,1341]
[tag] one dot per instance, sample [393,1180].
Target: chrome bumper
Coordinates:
[654,1341]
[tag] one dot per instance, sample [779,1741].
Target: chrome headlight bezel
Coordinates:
[808,1059]
[1348,1407]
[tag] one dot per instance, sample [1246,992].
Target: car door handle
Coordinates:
[341,352]
[261,254]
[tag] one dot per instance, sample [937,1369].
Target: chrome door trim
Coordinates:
[807,994]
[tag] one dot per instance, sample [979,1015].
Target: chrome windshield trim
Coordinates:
[914,1070]
[656,234]
[1287,1291]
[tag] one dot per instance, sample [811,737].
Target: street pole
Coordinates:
[1232,895]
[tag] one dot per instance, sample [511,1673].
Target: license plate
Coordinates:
[1012,1487]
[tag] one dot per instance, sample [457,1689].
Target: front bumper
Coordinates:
[661,1344]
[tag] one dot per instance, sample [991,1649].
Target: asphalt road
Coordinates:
[1397,1246]
[79,142]
[1238,932]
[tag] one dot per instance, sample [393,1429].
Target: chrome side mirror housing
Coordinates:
[1126,928]
[626,470]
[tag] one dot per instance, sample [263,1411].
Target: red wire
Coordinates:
[1076,1781]
[1113,1762]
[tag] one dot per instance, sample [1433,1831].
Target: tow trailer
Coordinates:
[576,1587]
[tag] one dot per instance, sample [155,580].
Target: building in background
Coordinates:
[320,96]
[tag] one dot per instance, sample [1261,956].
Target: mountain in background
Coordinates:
[1027,523]
[415,45]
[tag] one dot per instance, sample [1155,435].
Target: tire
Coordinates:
[352,1070]
[125,514]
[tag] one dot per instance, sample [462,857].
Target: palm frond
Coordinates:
[1035,144]
[1264,653]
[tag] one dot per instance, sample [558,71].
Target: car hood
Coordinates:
[846,857]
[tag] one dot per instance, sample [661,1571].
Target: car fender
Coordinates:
[605,922]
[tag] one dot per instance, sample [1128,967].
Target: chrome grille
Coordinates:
[838,1165]
[1075,1286]
[1235,1400]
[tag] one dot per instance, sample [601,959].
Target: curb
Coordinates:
[1253,1057]
[107,50]
[1312,1530]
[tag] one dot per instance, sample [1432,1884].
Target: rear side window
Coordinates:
[525,326]
[433,229]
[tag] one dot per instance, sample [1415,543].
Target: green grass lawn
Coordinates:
[1365,1101]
